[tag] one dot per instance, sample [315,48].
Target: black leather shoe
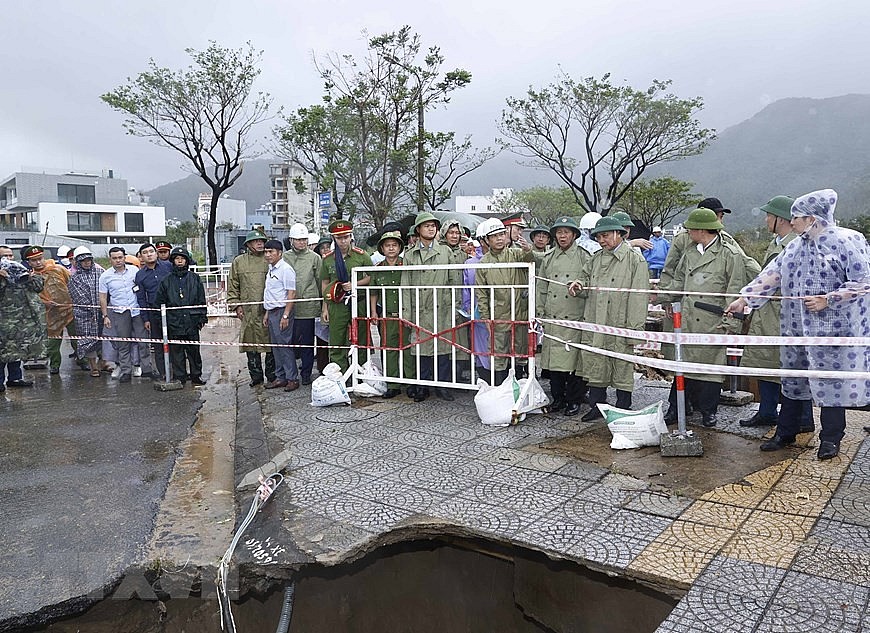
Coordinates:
[776,443]
[867,429]
[421,394]
[306,380]
[197,382]
[759,420]
[557,405]
[828,450]
[391,393]
[709,419]
[572,409]
[444,394]
[19,383]
[592,414]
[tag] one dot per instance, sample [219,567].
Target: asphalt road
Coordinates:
[84,463]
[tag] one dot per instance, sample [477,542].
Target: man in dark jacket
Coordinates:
[151,273]
[184,288]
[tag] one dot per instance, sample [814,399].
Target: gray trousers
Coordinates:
[285,357]
[125,326]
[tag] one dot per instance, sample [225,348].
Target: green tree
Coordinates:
[544,204]
[860,223]
[205,112]
[179,234]
[622,132]
[362,140]
[659,201]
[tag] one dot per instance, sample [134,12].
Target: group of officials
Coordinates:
[815,281]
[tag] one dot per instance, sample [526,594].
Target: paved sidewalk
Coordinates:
[759,554]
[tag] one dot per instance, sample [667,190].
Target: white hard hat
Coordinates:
[490,226]
[298,232]
[657,229]
[589,220]
[82,252]
[63,250]
[313,238]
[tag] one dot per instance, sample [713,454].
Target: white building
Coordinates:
[90,207]
[229,211]
[483,205]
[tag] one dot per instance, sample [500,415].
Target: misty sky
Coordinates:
[740,55]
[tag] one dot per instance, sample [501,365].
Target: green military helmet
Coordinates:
[780,206]
[565,222]
[622,217]
[539,229]
[703,219]
[254,235]
[609,223]
[424,217]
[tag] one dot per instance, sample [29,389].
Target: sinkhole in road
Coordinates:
[423,586]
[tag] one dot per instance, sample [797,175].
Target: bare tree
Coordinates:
[446,163]
[622,132]
[205,112]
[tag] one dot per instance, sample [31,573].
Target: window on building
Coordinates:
[134,222]
[473,207]
[76,194]
[90,221]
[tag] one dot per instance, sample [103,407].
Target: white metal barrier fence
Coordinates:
[428,331]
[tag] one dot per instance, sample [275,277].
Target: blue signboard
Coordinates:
[325,199]
[324,215]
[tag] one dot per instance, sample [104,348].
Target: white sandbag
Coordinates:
[326,391]
[634,428]
[373,383]
[534,398]
[495,405]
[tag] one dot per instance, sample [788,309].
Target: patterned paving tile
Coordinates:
[543,462]
[347,458]
[533,503]
[506,456]
[798,495]
[363,513]
[624,482]
[714,612]
[316,471]
[345,441]
[602,493]
[673,565]
[822,559]
[379,467]
[716,514]
[767,477]
[842,535]
[313,449]
[560,486]
[745,496]
[411,454]
[582,470]
[480,517]
[660,504]
[695,536]
[769,538]
[832,606]
[554,537]
[472,449]
[753,580]
[850,503]
[495,491]
[395,493]
[635,524]
[470,469]
[304,492]
[586,512]
[603,549]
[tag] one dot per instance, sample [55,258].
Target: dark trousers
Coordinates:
[157,359]
[12,369]
[180,356]
[703,395]
[285,357]
[303,336]
[770,396]
[428,364]
[255,366]
[833,420]
[566,387]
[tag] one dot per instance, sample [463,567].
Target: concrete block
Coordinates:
[168,386]
[736,399]
[676,445]
[275,465]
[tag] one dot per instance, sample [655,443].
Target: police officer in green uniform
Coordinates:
[336,304]
[246,284]
[394,335]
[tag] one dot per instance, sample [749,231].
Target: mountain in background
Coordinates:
[793,146]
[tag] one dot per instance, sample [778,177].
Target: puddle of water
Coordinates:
[426,586]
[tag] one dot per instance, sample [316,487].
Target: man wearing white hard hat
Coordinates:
[306,264]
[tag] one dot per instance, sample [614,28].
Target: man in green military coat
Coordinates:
[561,265]
[306,264]
[765,322]
[384,300]
[335,287]
[245,297]
[418,305]
[715,265]
[505,304]
[616,265]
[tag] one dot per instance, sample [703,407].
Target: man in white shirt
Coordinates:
[121,315]
[278,298]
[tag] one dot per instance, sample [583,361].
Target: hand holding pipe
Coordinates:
[713,308]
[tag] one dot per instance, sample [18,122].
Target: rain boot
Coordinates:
[623,399]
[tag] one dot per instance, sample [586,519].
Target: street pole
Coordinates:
[420,134]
